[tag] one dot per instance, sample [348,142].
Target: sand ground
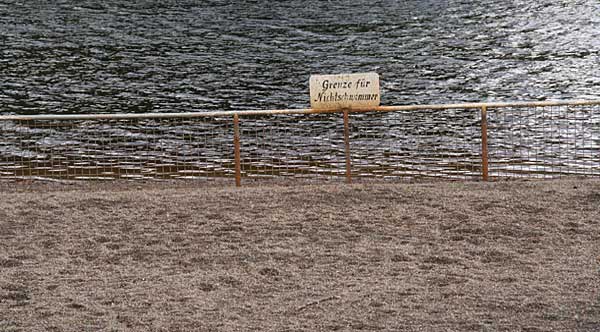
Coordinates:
[180,256]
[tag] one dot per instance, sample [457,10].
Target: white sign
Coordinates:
[344,91]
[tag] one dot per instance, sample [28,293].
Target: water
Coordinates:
[180,56]
[59,57]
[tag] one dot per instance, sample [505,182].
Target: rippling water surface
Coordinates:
[176,56]
[59,57]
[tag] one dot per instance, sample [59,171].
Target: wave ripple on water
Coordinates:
[179,56]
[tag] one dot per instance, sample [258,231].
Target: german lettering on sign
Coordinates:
[344,91]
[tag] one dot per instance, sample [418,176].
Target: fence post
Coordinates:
[236,144]
[484,144]
[347,146]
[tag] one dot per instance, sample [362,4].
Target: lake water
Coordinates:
[176,56]
[60,57]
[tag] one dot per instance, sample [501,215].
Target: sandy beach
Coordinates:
[181,256]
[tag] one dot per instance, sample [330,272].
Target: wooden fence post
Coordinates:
[236,144]
[484,144]
[347,146]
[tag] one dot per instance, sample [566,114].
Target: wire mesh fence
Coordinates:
[423,144]
[544,142]
[307,147]
[106,149]
[435,142]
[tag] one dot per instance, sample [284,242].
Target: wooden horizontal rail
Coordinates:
[123,116]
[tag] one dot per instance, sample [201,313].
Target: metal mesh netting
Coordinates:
[544,142]
[104,149]
[416,144]
[551,141]
[300,146]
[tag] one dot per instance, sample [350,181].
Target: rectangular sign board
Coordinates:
[344,91]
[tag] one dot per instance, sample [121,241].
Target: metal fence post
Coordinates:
[236,144]
[484,144]
[347,146]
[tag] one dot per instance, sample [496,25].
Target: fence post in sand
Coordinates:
[236,144]
[484,144]
[347,146]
